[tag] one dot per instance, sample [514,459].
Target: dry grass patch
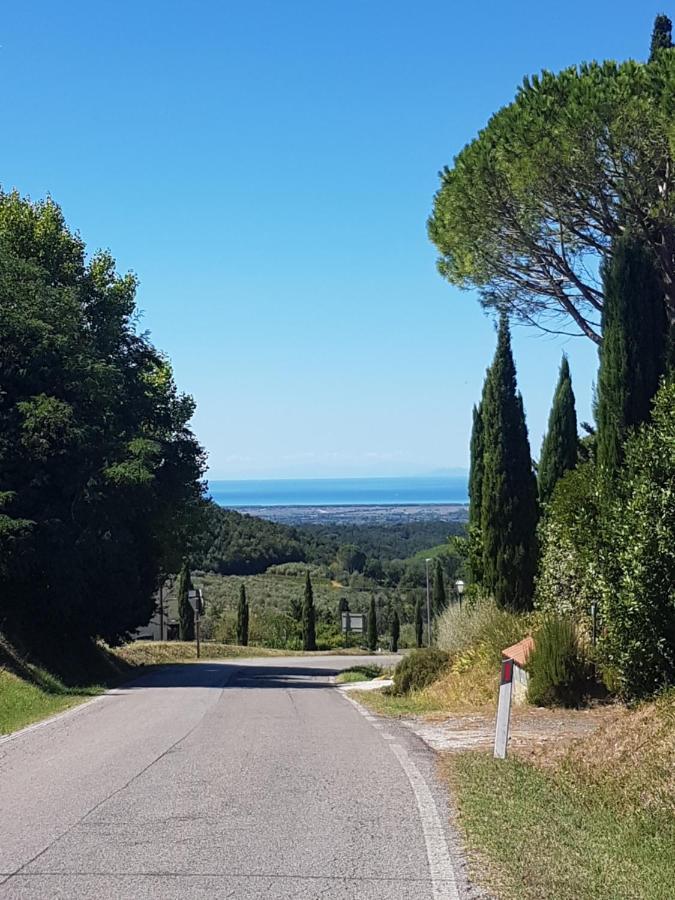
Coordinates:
[150,653]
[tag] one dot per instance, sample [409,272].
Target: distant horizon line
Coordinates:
[448,473]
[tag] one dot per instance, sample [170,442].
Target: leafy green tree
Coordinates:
[573,547]
[372,626]
[395,631]
[440,599]
[419,622]
[99,472]
[560,448]
[186,616]
[351,559]
[242,617]
[509,501]
[533,203]
[476,492]
[308,617]
[633,353]
[637,635]
[662,36]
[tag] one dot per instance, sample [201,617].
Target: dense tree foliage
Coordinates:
[572,550]
[235,544]
[538,198]
[99,472]
[231,543]
[560,448]
[638,604]
[350,558]
[308,617]
[509,502]
[633,353]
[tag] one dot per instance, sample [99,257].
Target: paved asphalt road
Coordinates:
[242,779]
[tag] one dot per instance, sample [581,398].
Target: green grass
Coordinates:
[24,702]
[385,703]
[359,673]
[543,836]
[432,552]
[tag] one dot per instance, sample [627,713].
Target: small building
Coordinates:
[163,626]
[519,653]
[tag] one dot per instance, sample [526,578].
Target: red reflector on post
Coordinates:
[507,671]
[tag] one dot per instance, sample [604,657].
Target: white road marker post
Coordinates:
[504,709]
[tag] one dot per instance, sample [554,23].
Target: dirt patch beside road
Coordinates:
[531,729]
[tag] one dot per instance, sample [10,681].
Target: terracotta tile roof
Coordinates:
[519,652]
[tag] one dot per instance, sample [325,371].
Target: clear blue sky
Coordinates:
[266,168]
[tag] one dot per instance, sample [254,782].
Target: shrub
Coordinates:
[571,573]
[419,668]
[637,611]
[479,623]
[557,668]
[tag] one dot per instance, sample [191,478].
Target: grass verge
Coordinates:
[359,673]
[152,653]
[597,822]
[24,702]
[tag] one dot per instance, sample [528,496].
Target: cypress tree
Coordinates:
[242,618]
[419,622]
[509,490]
[633,352]
[662,36]
[308,617]
[296,609]
[560,448]
[476,492]
[395,631]
[439,598]
[372,626]
[186,616]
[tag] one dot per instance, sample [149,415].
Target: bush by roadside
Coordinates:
[559,671]
[418,669]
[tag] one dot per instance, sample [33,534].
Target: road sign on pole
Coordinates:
[353,622]
[504,709]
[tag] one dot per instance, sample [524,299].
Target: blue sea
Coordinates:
[424,491]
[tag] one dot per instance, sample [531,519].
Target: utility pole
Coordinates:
[426,565]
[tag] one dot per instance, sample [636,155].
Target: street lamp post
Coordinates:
[426,565]
[459,587]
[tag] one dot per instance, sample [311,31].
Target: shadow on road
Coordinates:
[233,675]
